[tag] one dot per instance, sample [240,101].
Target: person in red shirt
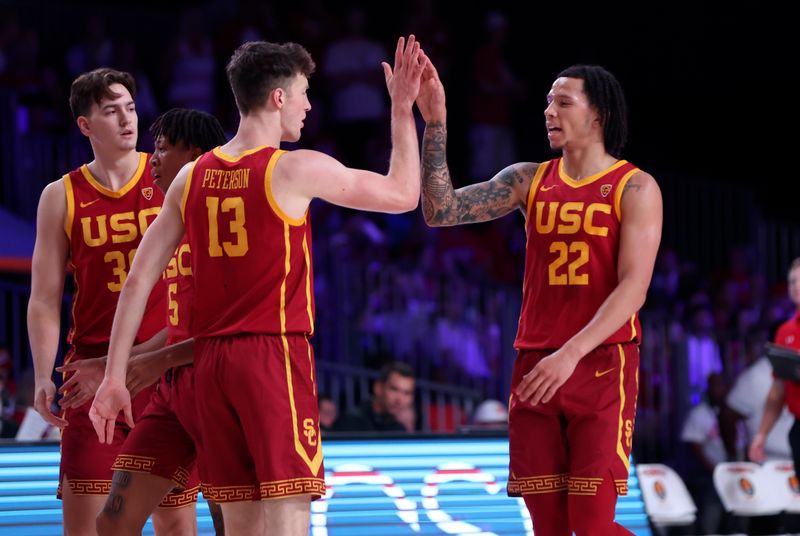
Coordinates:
[593,225]
[244,208]
[783,392]
[92,220]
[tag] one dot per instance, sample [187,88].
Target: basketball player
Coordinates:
[244,208]
[594,224]
[91,220]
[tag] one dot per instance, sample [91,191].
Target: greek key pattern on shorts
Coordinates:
[583,486]
[181,498]
[130,462]
[293,486]
[621,486]
[537,484]
[181,477]
[90,487]
[223,494]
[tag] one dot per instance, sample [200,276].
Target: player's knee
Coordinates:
[107,525]
[175,522]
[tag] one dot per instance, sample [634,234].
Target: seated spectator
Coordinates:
[327,412]
[392,396]
[701,431]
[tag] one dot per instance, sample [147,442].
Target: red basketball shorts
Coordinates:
[583,435]
[163,441]
[85,462]
[259,420]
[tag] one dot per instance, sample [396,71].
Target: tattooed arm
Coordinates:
[441,204]
[444,206]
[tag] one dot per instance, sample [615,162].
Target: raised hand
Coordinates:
[111,398]
[431,98]
[83,384]
[403,81]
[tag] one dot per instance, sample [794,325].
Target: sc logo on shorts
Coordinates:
[310,431]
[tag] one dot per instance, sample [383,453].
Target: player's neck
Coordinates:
[255,130]
[114,170]
[587,161]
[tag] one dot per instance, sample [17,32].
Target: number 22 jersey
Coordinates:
[573,237]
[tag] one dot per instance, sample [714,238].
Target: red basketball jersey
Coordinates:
[251,262]
[573,233]
[104,229]
[178,280]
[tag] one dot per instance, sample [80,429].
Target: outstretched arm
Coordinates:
[442,205]
[153,254]
[640,235]
[303,175]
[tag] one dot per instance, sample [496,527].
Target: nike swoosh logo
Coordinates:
[545,188]
[84,205]
[597,373]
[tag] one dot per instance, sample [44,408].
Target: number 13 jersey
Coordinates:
[573,237]
[251,262]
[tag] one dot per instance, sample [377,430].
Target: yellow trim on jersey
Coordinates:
[128,185]
[537,178]
[308,283]
[620,188]
[185,194]
[70,205]
[311,365]
[633,326]
[233,159]
[620,450]
[569,181]
[316,463]
[273,203]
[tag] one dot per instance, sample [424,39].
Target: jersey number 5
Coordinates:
[237,247]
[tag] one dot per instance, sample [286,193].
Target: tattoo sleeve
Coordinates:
[443,206]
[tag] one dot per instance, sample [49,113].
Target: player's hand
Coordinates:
[542,382]
[83,383]
[404,80]
[143,371]
[111,398]
[431,98]
[756,451]
[44,394]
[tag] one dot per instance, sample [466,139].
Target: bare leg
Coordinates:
[79,511]
[287,517]
[133,497]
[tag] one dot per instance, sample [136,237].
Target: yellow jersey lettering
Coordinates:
[183,257]
[588,220]
[310,431]
[124,223]
[102,232]
[571,217]
[220,179]
[541,227]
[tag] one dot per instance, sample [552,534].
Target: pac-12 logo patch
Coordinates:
[605,190]
[147,192]
[747,486]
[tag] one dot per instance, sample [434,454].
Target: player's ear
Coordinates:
[83,125]
[277,97]
[195,152]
